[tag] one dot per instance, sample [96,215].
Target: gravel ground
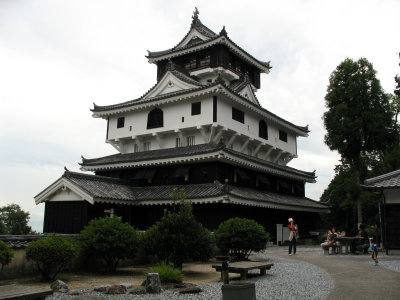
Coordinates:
[311,283]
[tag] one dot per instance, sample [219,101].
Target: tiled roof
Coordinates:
[196,24]
[240,84]
[110,189]
[150,155]
[385,181]
[157,54]
[182,152]
[100,186]
[282,199]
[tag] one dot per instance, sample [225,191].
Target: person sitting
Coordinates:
[362,241]
[329,241]
[335,236]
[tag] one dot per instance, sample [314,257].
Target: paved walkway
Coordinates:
[354,276]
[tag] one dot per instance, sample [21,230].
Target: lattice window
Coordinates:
[237,115]
[190,140]
[178,142]
[146,146]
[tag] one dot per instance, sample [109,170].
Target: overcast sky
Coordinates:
[58,57]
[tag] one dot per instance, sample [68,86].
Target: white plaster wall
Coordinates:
[392,196]
[136,121]
[250,126]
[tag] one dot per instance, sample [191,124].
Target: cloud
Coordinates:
[59,58]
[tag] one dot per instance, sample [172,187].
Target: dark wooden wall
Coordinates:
[392,212]
[208,173]
[71,217]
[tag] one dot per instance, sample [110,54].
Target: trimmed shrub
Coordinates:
[111,239]
[241,236]
[167,273]
[6,255]
[178,237]
[51,255]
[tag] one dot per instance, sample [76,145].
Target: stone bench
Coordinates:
[242,267]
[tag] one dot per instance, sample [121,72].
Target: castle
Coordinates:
[200,128]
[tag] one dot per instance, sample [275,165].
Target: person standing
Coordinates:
[292,236]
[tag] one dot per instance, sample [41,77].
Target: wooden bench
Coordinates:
[242,267]
[23,292]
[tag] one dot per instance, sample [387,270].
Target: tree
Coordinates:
[6,255]
[14,219]
[359,119]
[178,237]
[241,236]
[51,255]
[340,195]
[111,239]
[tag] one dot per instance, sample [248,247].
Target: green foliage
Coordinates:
[340,195]
[13,220]
[6,254]
[52,255]
[241,236]
[178,237]
[167,273]
[111,239]
[359,118]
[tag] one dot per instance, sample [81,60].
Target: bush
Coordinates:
[110,239]
[178,237]
[240,237]
[51,255]
[6,255]
[167,273]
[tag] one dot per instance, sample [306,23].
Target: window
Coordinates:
[178,142]
[190,140]
[283,136]
[136,148]
[214,108]
[121,122]
[146,146]
[196,108]
[263,130]
[237,115]
[204,61]
[155,118]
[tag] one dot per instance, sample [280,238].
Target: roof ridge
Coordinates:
[71,174]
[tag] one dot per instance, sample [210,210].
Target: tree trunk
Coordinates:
[359,208]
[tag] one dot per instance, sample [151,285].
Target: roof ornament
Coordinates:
[246,77]
[223,31]
[65,168]
[95,106]
[219,79]
[83,158]
[170,65]
[195,14]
